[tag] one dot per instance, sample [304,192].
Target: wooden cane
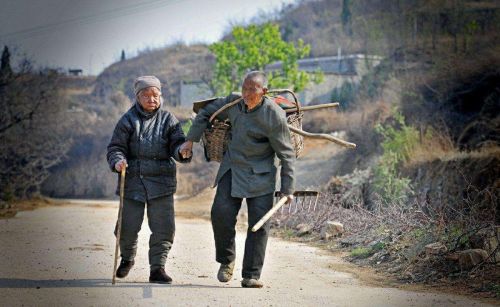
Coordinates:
[119,223]
[322,136]
[269,213]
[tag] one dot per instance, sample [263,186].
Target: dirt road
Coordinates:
[62,256]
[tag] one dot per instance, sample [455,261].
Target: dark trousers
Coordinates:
[161,223]
[224,212]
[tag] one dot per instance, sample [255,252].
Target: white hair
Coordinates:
[258,75]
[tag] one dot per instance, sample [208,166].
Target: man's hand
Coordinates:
[289,198]
[186,149]
[120,164]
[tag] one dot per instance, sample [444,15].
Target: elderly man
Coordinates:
[259,135]
[145,140]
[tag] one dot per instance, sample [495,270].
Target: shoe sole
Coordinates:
[223,280]
[254,286]
[121,276]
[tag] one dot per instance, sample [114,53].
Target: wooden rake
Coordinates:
[306,200]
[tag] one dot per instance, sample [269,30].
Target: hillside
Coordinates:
[171,65]
[420,69]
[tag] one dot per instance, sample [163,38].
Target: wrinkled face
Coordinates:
[149,98]
[252,91]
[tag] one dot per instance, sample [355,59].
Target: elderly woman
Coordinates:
[146,140]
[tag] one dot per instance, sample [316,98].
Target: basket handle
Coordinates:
[297,103]
[232,103]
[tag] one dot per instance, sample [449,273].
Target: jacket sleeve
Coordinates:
[118,146]
[201,121]
[280,140]
[176,138]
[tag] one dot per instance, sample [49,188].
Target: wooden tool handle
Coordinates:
[322,136]
[315,107]
[232,103]
[270,213]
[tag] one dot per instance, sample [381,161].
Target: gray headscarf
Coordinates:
[141,83]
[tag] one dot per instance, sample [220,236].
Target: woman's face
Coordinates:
[149,98]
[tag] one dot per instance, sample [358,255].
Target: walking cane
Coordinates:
[119,223]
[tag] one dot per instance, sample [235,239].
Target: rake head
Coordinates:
[302,200]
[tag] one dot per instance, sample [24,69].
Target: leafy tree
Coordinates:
[122,57]
[254,47]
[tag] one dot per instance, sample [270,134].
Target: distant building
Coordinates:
[194,91]
[337,70]
[75,72]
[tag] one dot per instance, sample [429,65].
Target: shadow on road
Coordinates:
[14,283]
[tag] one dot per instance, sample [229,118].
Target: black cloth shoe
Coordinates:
[159,276]
[124,268]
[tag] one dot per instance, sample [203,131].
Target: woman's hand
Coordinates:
[120,164]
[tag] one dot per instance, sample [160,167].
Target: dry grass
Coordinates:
[439,146]
[368,114]
[433,145]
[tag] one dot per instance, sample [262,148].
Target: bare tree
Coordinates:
[33,133]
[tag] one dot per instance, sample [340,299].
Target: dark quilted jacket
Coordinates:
[148,141]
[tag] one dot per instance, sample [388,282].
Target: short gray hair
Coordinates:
[258,75]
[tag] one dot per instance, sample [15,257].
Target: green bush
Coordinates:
[399,141]
[365,252]
[361,252]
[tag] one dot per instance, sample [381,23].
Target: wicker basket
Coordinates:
[216,138]
[295,120]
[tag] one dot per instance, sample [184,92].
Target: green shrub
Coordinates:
[399,141]
[361,252]
[378,247]
[365,252]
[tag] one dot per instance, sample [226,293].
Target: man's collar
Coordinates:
[245,107]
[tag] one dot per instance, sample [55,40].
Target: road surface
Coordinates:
[63,256]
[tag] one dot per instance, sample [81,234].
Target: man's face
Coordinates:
[252,91]
[149,98]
